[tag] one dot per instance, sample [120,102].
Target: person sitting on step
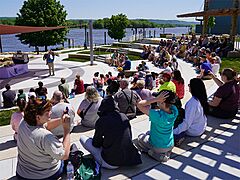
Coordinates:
[159,141]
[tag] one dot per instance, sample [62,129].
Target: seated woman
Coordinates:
[17,116]
[40,153]
[195,121]
[112,144]
[179,83]
[225,100]
[78,85]
[89,106]
[159,141]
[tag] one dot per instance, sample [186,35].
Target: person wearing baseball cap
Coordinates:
[166,83]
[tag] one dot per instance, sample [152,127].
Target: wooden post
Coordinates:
[234,21]
[1,49]
[91,40]
[105,38]
[205,19]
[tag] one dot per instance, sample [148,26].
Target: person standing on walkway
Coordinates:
[49,57]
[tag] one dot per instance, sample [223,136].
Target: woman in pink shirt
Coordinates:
[17,116]
[179,83]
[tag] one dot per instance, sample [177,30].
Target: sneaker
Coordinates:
[161,157]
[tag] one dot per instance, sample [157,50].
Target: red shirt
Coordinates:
[179,88]
[80,86]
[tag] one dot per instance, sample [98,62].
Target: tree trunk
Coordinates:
[46,49]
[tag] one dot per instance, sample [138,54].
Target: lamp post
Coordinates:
[85,33]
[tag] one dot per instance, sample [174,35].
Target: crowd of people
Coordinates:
[111,102]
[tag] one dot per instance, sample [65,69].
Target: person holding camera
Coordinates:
[40,153]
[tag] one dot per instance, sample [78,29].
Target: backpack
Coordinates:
[88,170]
[85,167]
[131,114]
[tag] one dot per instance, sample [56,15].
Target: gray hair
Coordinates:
[57,96]
[91,94]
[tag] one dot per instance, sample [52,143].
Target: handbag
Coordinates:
[83,113]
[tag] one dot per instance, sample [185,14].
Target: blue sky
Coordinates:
[95,9]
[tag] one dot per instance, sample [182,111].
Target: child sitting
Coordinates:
[159,141]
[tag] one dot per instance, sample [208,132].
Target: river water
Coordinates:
[11,43]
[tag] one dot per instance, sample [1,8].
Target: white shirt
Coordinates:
[195,121]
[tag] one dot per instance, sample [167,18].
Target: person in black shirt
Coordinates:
[112,144]
[8,97]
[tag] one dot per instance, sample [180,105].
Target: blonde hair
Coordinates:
[91,94]
[141,84]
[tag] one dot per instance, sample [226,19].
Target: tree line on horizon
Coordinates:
[102,23]
[51,13]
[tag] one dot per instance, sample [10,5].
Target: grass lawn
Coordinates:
[95,52]
[76,50]
[5,116]
[134,57]
[76,60]
[233,63]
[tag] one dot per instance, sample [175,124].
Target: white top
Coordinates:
[195,121]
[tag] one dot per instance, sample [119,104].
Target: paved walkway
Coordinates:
[214,155]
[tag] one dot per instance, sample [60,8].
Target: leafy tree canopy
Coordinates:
[116,26]
[39,13]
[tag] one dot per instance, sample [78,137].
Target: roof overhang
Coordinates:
[214,12]
[8,29]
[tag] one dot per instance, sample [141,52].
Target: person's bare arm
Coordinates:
[143,105]
[216,80]
[215,102]
[53,123]
[66,135]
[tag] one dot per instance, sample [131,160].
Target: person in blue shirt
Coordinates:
[49,57]
[159,141]
[127,64]
[205,68]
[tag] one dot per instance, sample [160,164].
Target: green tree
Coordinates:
[48,13]
[211,23]
[116,26]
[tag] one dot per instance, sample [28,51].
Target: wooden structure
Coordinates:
[8,29]
[233,12]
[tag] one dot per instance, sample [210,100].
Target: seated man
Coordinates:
[59,106]
[127,99]
[8,97]
[41,91]
[64,87]
[127,64]
[112,144]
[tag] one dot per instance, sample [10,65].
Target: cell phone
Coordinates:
[66,110]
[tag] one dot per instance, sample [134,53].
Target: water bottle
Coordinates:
[70,171]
